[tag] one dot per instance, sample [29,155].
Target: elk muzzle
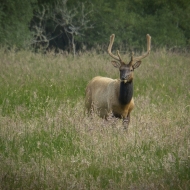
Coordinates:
[126,75]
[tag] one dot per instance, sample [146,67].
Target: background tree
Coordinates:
[68,24]
[40,36]
[131,20]
[15,17]
[72,22]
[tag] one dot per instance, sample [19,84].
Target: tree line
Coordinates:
[78,25]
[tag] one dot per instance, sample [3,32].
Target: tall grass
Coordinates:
[47,142]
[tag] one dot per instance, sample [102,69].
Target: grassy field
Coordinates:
[47,142]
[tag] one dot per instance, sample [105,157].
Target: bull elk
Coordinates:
[112,95]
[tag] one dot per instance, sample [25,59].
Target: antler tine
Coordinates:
[118,58]
[119,55]
[148,37]
[132,56]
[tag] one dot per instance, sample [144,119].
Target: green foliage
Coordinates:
[90,23]
[132,20]
[14,22]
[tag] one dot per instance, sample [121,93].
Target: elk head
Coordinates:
[126,70]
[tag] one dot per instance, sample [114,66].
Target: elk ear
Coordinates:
[136,65]
[116,64]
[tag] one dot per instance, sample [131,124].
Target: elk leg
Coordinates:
[126,121]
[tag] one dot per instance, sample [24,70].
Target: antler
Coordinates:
[118,58]
[148,37]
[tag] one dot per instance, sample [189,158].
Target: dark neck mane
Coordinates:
[126,92]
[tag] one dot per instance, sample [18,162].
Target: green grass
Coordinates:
[46,141]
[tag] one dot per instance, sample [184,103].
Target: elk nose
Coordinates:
[124,76]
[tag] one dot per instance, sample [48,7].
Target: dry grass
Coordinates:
[47,142]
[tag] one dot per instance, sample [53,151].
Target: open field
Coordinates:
[47,142]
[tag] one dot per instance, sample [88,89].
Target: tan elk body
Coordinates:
[106,95]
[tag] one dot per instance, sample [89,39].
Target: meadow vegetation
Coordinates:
[48,142]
